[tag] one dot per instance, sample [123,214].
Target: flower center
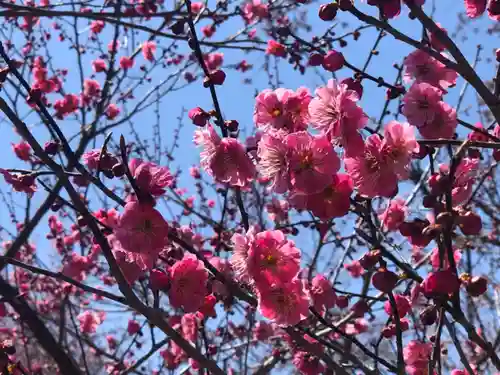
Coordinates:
[276,112]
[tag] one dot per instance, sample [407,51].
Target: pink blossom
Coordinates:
[148,50]
[214,60]
[416,355]
[457,255]
[394,214]
[307,363]
[277,209]
[388,8]
[254,10]
[275,48]
[334,111]
[197,6]
[312,162]
[141,229]
[474,8]
[239,259]
[22,150]
[272,257]
[150,178]
[263,330]
[333,201]
[425,68]
[188,283]
[99,65]
[282,109]
[443,124]
[89,321]
[66,106]
[420,103]
[131,264]
[76,267]
[402,303]
[189,325]
[399,146]
[284,302]
[112,111]
[355,269]
[126,62]
[133,327]
[464,179]
[273,164]
[371,172]
[22,183]
[322,293]
[91,88]
[224,159]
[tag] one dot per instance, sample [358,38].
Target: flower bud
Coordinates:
[333,61]
[232,125]
[327,12]
[470,223]
[354,85]
[315,59]
[51,147]
[198,116]
[385,280]
[369,260]
[476,286]
[441,282]
[216,78]
[159,280]
[178,27]
[342,302]
[428,316]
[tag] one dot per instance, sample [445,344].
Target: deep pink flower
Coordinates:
[399,146]
[334,111]
[394,215]
[457,255]
[275,48]
[402,303]
[131,264]
[214,60]
[66,106]
[388,8]
[76,267]
[355,269]
[197,6]
[148,50]
[133,327]
[19,182]
[189,325]
[441,282]
[141,229]
[307,363]
[91,88]
[22,150]
[282,109]
[126,62]
[150,178]
[416,355]
[425,68]
[89,321]
[420,103]
[463,182]
[254,10]
[284,303]
[188,283]
[322,293]
[224,159]
[333,201]
[99,65]
[333,61]
[475,8]
[112,111]
[312,162]
[443,124]
[371,172]
[272,257]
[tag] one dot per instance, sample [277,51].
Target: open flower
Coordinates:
[149,177]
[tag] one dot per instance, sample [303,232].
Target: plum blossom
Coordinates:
[239,259]
[282,109]
[148,50]
[22,150]
[271,258]
[188,283]
[90,320]
[224,159]
[399,146]
[275,48]
[307,363]
[273,163]
[371,172]
[394,215]
[425,68]
[475,8]
[334,111]
[312,162]
[131,264]
[457,256]
[333,201]
[150,178]
[284,302]
[443,125]
[416,355]
[322,293]
[463,181]
[254,10]
[25,183]
[402,303]
[420,103]
[141,229]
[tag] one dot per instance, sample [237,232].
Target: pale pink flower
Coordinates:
[188,283]
[322,293]
[224,159]
[284,302]
[273,164]
[334,111]
[416,355]
[333,201]
[272,257]
[371,172]
[239,259]
[312,162]
[475,8]
[148,50]
[131,264]
[141,229]
[463,182]
[420,103]
[282,109]
[89,321]
[150,178]
[399,146]
[354,268]
[443,124]
[394,215]
[425,68]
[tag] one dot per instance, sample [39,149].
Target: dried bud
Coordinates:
[445,219]
[475,286]
[178,27]
[199,116]
[385,280]
[345,4]
[51,147]
[328,12]
[428,316]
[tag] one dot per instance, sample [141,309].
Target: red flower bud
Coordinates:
[385,280]
[315,59]
[370,259]
[333,61]
[428,316]
[198,116]
[441,282]
[342,302]
[159,280]
[354,85]
[51,147]
[470,223]
[476,286]
[216,78]
[327,12]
